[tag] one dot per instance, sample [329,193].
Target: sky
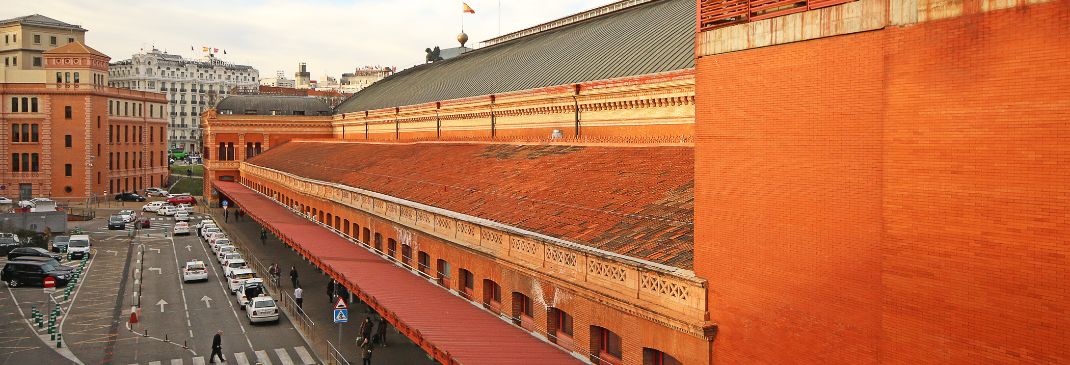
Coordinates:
[331,36]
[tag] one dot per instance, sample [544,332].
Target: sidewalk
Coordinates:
[316,303]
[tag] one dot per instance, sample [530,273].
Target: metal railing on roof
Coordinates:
[713,14]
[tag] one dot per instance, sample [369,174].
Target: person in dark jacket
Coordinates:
[380,331]
[217,348]
[330,291]
[366,329]
[293,275]
[366,352]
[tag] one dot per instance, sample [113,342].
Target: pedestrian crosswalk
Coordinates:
[281,356]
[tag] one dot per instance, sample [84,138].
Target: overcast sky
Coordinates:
[332,36]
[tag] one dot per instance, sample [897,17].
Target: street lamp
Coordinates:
[89,192]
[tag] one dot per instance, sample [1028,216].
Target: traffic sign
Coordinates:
[226,204]
[340,304]
[341,315]
[50,282]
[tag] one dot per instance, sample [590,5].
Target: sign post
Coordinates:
[50,287]
[341,315]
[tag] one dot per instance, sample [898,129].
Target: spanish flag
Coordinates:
[204,49]
[468,9]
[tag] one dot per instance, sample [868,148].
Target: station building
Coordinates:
[66,134]
[817,190]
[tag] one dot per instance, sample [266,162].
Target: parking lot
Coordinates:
[176,320]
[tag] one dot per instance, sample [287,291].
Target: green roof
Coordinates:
[644,39]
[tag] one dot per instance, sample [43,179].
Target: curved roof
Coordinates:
[272,105]
[636,201]
[644,39]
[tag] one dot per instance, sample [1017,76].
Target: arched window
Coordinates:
[378,242]
[367,236]
[406,254]
[606,346]
[655,357]
[523,314]
[391,247]
[345,227]
[424,264]
[559,324]
[443,273]
[492,295]
[466,283]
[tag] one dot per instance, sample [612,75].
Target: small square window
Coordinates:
[67,141]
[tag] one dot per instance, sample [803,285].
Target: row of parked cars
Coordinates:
[248,289]
[31,265]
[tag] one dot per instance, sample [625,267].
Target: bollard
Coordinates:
[146,332]
[59,340]
[53,336]
[165,339]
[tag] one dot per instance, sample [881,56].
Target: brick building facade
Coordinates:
[69,136]
[885,182]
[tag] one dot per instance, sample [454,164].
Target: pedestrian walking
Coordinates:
[366,329]
[275,273]
[366,352]
[263,236]
[330,291]
[381,331]
[293,276]
[226,215]
[189,172]
[299,298]
[217,348]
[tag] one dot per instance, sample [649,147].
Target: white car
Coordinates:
[79,246]
[232,256]
[155,192]
[166,210]
[214,238]
[208,231]
[183,207]
[223,250]
[152,207]
[169,196]
[234,264]
[251,288]
[181,217]
[237,277]
[220,242]
[194,270]
[262,309]
[181,228]
[203,225]
[6,200]
[128,215]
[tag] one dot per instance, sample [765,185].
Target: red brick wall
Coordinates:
[897,196]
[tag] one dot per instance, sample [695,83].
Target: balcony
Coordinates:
[173,89]
[182,90]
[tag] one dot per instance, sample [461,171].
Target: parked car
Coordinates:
[175,195]
[6,200]
[9,241]
[203,225]
[207,231]
[38,204]
[27,272]
[181,217]
[153,206]
[234,264]
[231,256]
[59,243]
[214,239]
[185,208]
[128,215]
[78,246]
[188,199]
[251,288]
[129,197]
[262,309]
[51,260]
[181,228]
[30,251]
[223,250]
[195,270]
[116,222]
[237,277]
[144,223]
[166,210]
[155,192]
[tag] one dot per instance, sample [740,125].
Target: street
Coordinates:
[177,320]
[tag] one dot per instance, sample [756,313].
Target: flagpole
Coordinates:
[499,17]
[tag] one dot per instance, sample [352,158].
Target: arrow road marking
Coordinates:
[158,271]
[188,248]
[161,303]
[155,249]
[207,301]
[112,252]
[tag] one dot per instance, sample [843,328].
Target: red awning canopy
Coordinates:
[443,324]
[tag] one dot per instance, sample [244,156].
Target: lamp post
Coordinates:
[89,192]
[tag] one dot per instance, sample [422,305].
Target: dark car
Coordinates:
[129,197]
[30,251]
[52,260]
[59,243]
[116,222]
[27,272]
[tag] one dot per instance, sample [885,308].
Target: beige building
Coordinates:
[26,38]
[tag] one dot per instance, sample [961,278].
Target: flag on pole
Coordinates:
[468,9]
[215,50]
[224,51]
[204,49]
[190,48]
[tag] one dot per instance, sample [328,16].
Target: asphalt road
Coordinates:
[177,320]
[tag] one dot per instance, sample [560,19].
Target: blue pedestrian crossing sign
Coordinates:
[341,315]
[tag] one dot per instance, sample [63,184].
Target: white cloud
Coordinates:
[331,36]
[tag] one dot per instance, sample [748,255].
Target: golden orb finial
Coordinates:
[462,38]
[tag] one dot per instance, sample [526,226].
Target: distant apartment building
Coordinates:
[279,80]
[191,86]
[302,78]
[362,77]
[63,132]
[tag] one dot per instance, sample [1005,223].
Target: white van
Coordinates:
[78,246]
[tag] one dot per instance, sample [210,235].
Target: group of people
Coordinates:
[369,337]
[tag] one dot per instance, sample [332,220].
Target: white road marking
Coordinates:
[176,361]
[239,357]
[157,251]
[182,288]
[207,301]
[198,361]
[112,252]
[158,271]
[262,357]
[306,358]
[154,363]
[284,357]
[226,293]
[161,303]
